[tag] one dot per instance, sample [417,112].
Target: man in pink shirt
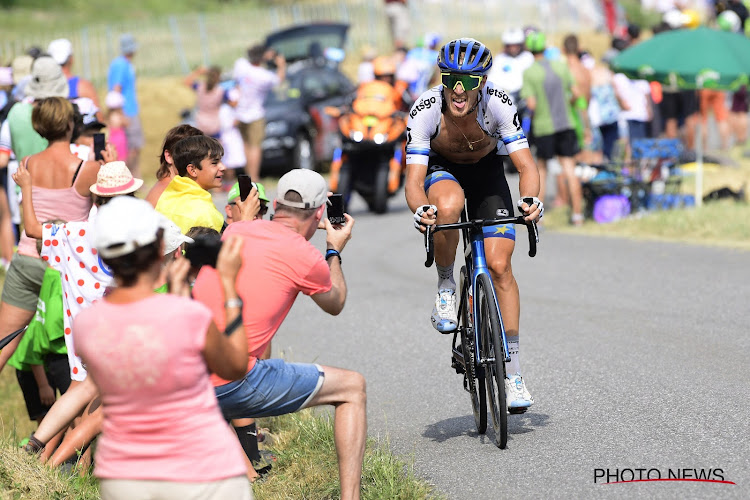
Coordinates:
[279,255]
[254,83]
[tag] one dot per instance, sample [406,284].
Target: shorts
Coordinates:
[678,105]
[740,102]
[563,143]
[273,387]
[253,133]
[398,21]
[58,376]
[142,489]
[485,188]
[713,100]
[23,282]
[134,133]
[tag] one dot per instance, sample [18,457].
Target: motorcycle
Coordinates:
[371,157]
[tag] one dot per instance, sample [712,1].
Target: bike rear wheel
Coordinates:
[474,385]
[493,357]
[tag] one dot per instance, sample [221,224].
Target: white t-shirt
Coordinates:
[254,83]
[231,139]
[635,94]
[507,71]
[14,192]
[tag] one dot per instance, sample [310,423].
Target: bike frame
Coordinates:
[476,265]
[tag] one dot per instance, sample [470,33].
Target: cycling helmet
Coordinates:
[465,55]
[383,66]
[513,36]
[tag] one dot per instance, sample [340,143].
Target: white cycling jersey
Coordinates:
[496,115]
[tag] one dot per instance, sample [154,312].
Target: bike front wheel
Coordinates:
[474,384]
[493,358]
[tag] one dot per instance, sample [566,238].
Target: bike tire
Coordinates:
[345,184]
[492,349]
[474,384]
[379,201]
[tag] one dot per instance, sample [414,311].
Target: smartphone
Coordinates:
[336,209]
[99,146]
[204,252]
[246,184]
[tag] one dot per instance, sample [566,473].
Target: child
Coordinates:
[116,123]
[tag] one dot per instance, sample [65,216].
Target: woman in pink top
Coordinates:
[60,185]
[150,355]
[167,170]
[210,98]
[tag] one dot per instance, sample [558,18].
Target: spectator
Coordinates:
[398,21]
[254,83]
[60,184]
[714,101]
[234,211]
[508,66]
[231,139]
[167,170]
[131,343]
[121,78]
[365,71]
[582,88]
[186,200]
[636,111]
[47,80]
[61,50]
[117,124]
[418,68]
[21,67]
[86,126]
[548,88]
[605,106]
[210,98]
[278,252]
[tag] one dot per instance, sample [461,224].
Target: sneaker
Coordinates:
[516,394]
[264,465]
[444,317]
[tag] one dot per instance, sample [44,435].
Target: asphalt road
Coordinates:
[636,353]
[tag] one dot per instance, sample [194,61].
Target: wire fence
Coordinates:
[175,44]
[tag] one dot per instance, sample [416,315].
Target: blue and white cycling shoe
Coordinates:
[444,317]
[516,394]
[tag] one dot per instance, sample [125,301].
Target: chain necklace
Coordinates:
[470,143]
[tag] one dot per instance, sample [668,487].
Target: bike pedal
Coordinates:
[517,411]
[457,366]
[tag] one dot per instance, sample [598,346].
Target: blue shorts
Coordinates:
[273,387]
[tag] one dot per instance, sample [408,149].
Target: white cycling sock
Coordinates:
[514,365]
[445,277]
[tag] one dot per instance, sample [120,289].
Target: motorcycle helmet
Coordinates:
[465,55]
[383,66]
[513,36]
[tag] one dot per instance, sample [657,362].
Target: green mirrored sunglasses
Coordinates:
[468,82]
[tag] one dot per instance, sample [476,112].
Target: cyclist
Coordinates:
[456,133]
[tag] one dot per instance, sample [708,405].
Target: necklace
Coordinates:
[470,143]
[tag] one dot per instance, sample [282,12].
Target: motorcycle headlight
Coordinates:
[276,128]
[379,138]
[357,136]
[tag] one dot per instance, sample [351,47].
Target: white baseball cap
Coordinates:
[60,50]
[173,237]
[125,224]
[308,183]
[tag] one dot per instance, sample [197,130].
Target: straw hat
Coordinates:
[115,178]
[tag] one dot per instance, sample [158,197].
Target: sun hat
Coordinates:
[173,237]
[115,178]
[125,224]
[60,50]
[47,79]
[114,100]
[21,67]
[88,111]
[235,192]
[308,183]
[128,45]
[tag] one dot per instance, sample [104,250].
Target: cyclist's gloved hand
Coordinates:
[530,201]
[423,212]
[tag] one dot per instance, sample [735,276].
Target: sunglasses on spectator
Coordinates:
[468,82]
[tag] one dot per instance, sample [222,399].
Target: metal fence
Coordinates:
[174,45]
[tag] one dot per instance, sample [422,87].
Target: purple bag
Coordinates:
[611,207]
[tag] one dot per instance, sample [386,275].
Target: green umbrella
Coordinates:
[700,58]
[689,59]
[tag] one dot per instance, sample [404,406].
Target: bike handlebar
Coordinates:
[478,223]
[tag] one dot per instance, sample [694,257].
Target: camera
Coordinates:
[204,251]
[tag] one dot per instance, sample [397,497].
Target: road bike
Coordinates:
[480,348]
